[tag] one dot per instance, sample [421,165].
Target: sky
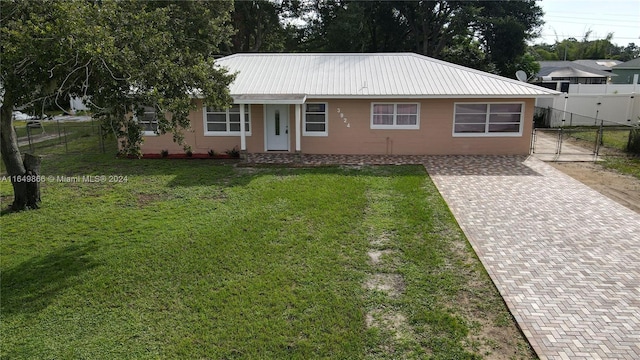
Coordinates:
[573,18]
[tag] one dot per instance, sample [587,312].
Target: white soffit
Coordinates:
[269,98]
[365,75]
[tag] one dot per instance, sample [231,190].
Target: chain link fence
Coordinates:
[65,137]
[600,136]
[553,118]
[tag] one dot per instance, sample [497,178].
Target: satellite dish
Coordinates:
[521,75]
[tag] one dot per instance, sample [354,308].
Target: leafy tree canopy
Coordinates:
[487,35]
[574,49]
[117,55]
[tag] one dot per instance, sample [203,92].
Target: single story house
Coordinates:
[600,64]
[557,75]
[384,103]
[628,72]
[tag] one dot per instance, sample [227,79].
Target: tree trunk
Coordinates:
[26,195]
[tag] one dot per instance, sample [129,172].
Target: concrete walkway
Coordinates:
[565,258]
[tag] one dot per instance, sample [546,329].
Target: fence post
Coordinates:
[59,135]
[66,145]
[571,120]
[101,139]
[559,142]
[532,148]
[29,137]
[598,139]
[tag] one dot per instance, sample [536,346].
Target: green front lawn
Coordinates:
[190,259]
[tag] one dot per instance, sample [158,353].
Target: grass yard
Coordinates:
[614,139]
[614,143]
[55,138]
[189,259]
[624,165]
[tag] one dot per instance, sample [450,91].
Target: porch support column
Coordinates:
[243,136]
[298,127]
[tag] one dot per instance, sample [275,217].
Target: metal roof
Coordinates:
[631,64]
[601,64]
[383,75]
[561,69]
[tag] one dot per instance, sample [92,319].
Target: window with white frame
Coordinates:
[395,116]
[488,119]
[315,119]
[148,121]
[226,122]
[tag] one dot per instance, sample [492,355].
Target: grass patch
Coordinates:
[624,165]
[615,139]
[187,259]
[611,138]
[58,138]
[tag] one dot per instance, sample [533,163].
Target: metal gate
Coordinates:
[586,143]
[574,144]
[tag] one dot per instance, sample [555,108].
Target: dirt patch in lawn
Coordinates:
[624,189]
[391,284]
[376,255]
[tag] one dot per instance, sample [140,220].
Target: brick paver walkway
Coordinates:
[565,258]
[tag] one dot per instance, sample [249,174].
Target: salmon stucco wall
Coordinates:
[355,136]
[434,137]
[201,144]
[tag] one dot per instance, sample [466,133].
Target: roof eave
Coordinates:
[440,96]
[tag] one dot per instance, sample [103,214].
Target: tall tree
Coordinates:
[573,49]
[629,52]
[259,27]
[503,28]
[488,35]
[432,25]
[119,56]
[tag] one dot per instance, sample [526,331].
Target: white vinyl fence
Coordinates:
[589,105]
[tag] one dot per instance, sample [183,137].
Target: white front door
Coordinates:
[277,127]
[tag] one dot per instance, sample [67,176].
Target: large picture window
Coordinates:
[395,116]
[487,119]
[226,122]
[315,119]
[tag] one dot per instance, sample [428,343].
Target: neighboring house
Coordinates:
[557,75]
[76,104]
[627,72]
[388,103]
[600,64]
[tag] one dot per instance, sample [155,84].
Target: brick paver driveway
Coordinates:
[565,258]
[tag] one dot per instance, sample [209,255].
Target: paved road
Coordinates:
[77,118]
[565,258]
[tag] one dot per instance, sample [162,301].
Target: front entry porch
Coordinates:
[277,121]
